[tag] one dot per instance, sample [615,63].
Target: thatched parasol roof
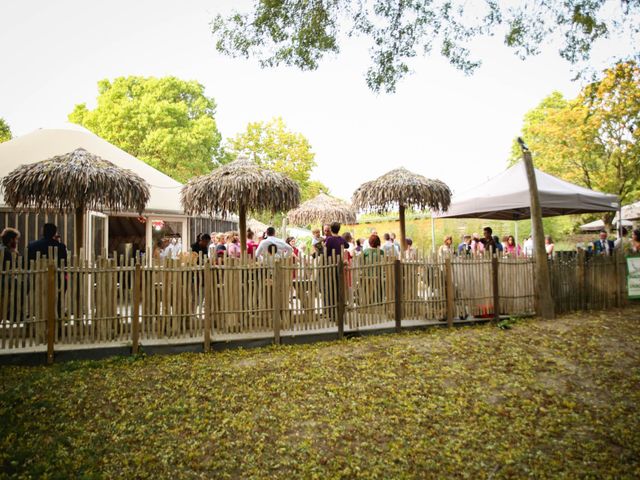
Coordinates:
[256,225]
[404,188]
[239,185]
[322,209]
[75,180]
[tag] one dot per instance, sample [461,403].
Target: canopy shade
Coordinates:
[404,189]
[240,186]
[322,209]
[506,197]
[75,180]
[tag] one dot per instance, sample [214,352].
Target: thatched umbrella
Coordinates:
[239,187]
[405,189]
[322,209]
[76,181]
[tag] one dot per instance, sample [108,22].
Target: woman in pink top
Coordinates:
[510,247]
[233,245]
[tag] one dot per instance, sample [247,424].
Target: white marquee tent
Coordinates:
[163,213]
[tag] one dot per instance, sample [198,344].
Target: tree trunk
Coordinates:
[544,300]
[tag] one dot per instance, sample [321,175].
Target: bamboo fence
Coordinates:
[107,301]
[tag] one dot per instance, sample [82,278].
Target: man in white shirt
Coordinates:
[282,248]
[527,247]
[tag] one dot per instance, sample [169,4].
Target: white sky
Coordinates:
[439,123]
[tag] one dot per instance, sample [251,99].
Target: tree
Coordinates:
[5,131]
[274,146]
[167,122]
[593,140]
[301,32]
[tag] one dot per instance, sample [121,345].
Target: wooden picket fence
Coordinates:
[44,304]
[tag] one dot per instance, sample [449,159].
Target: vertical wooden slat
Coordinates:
[340,297]
[496,287]
[135,317]
[397,279]
[51,310]
[277,285]
[208,292]
[449,290]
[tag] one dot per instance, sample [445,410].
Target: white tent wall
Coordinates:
[164,202]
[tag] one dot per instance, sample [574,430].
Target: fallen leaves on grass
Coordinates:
[541,399]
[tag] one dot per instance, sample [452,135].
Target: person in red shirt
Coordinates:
[251,243]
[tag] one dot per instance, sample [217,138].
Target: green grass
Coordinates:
[541,399]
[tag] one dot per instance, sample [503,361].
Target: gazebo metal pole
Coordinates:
[242,226]
[403,231]
[516,233]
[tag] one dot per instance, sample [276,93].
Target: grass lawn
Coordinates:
[544,399]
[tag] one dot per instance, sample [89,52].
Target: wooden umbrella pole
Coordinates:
[242,225]
[403,231]
[79,230]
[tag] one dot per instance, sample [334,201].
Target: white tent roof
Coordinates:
[598,225]
[49,142]
[506,197]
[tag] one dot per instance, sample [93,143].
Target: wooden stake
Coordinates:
[277,296]
[208,292]
[135,317]
[242,226]
[449,290]
[403,231]
[397,269]
[496,288]
[545,305]
[51,310]
[341,297]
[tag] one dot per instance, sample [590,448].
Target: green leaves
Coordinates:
[167,122]
[5,131]
[301,33]
[272,145]
[544,399]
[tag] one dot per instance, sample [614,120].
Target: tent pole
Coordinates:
[516,232]
[545,307]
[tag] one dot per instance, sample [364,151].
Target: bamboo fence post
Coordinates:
[496,287]
[341,297]
[397,270]
[581,280]
[277,296]
[617,257]
[135,317]
[208,292]
[449,290]
[51,310]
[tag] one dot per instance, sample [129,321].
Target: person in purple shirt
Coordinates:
[334,243]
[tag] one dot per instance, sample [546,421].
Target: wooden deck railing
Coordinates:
[44,304]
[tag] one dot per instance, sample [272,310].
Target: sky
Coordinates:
[440,123]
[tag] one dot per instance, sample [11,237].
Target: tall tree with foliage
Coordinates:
[301,32]
[274,146]
[593,140]
[167,122]
[5,131]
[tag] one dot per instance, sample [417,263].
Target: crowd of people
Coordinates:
[326,241]
[508,247]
